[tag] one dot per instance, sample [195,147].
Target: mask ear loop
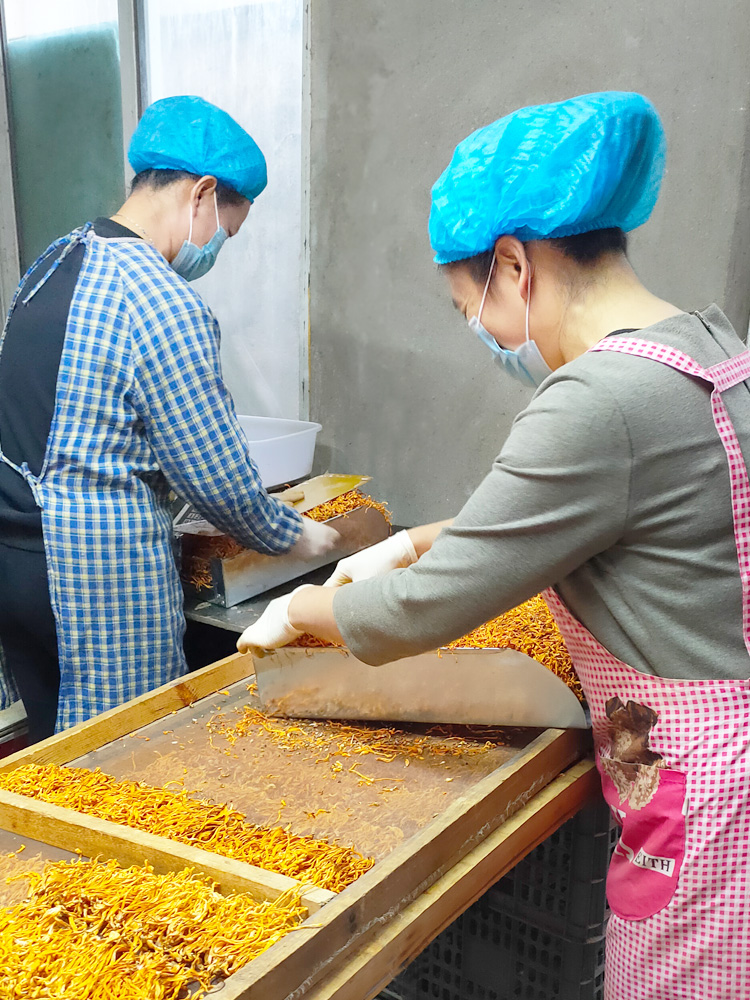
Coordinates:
[486,289]
[528,306]
[218,223]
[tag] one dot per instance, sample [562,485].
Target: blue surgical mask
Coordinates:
[192,261]
[526,362]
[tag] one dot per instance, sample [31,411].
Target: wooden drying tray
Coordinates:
[466,845]
[400,940]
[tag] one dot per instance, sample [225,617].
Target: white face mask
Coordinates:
[526,362]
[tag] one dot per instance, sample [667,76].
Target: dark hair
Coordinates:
[163,178]
[589,248]
[585,249]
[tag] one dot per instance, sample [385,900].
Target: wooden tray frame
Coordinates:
[370,968]
[343,923]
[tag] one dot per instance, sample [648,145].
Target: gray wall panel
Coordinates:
[403,389]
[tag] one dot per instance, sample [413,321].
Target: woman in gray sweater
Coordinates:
[621,493]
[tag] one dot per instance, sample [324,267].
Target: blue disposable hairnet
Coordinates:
[188,133]
[592,162]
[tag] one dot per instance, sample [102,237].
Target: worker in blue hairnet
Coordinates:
[622,494]
[111,393]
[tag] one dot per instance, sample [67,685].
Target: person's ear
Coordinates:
[204,187]
[512,262]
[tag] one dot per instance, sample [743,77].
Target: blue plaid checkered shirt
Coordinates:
[140,407]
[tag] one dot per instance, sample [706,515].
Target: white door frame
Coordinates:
[131,17]
[10,260]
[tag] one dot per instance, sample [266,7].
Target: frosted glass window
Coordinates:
[247,58]
[63,75]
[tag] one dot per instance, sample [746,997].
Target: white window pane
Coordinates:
[247,59]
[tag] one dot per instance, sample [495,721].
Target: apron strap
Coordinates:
[68,243]
[721,376]
[76,237]
[25,472]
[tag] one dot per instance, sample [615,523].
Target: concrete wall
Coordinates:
[404,391]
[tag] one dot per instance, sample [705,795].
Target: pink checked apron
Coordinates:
[674,760]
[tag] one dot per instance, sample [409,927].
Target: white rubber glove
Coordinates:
[273,628]
[392,553]
[316,539]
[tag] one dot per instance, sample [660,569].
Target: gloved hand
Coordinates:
[392,553]
[273,628]
[316,539]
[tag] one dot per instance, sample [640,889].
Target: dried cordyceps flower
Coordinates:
[199,550]
[529,628]
[215,828]
[93,931]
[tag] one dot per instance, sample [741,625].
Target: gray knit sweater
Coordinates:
[613,487]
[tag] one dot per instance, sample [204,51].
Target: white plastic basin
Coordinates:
[282,449]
